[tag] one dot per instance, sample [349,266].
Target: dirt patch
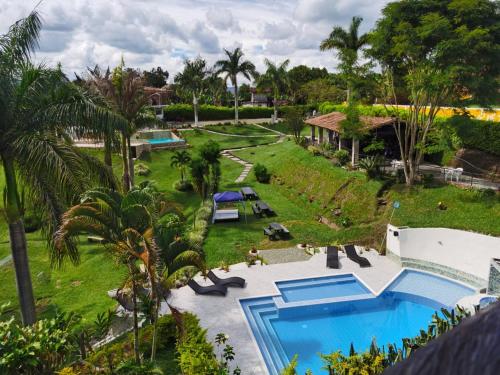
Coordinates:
[324,220]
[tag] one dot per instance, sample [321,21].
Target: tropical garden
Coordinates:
[86,229]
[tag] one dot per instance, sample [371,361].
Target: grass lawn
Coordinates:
[83,288]
[197,137]
[242,129]
[303,187]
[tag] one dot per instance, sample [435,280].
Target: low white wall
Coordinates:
[463,251]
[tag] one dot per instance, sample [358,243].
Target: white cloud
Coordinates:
[150,33]
[222,19]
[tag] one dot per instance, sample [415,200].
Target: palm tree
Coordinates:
[193,80]
[123,90]
[180,160]
[233,66]
[124,222]
[199,169]
[347,43]
[216,89]
[174,260]
[38,107]
[275,78]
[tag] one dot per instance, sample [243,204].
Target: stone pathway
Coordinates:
[248,166]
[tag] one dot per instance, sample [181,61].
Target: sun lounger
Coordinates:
[351,253]
[332,257]
[211,289]
[230,281]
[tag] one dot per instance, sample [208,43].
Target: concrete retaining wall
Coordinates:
[455,253]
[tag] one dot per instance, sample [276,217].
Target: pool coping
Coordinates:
[375,294]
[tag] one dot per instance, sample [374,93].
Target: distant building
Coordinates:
[258,100]
[158,98]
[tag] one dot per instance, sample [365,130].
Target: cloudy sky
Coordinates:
[150,33]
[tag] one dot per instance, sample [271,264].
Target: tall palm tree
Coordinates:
[38,107]
[181,159]
[347,43]
[193,80]
[124,222]
[276,78]
[123,90]
[174,259]
[233,66]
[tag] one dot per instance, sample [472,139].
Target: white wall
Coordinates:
[464,251]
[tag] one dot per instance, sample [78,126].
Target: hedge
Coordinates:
[477,134]
[184,112]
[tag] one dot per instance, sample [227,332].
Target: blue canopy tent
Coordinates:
[228,197]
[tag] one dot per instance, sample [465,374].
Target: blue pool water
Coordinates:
[162,140]
[320,287]
[323,315]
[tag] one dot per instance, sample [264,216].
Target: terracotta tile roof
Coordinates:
[332,121]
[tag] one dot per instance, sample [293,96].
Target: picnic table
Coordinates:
[276,230]
[261,207]
[248,193]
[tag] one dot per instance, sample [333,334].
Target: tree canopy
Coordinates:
[456,38]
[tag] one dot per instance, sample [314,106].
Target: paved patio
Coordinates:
[224,314]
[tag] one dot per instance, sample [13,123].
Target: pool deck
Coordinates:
[224,314]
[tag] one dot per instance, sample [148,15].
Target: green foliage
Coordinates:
[455,39]
[206,112]
[363,110]
[210,154]
[120,353]
[376,146]
[291,369]
[476,134]
[38,349]
[295,122]
[195,353]
[183,185]
[342,156]
[141,169]
[314,150]
[321,90]
[371,165]
[129,367]
[196,235]
[180,160]
[352,127]
[261,173]
[156,77]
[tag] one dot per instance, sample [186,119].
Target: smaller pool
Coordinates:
[320,287]
[162,140]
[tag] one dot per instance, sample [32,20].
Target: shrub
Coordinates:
[371,165]
[120,352]
[196,235]
[141,169]
[185,185]
[195,353]
[261,174]
[41,348]
[314,150]
[342,156]
[477,134]
[184,112]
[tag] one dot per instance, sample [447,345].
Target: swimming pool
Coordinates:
[322,315]
[157,141]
